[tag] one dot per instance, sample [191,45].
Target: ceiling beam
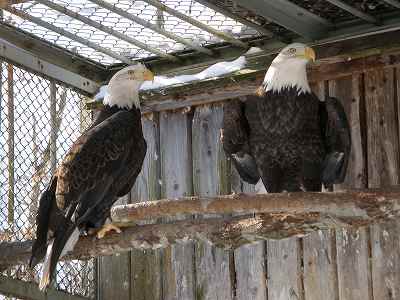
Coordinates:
[53,54]
[225,12]
[394,3]
[290,16]
[20,57]
[63,32]
[105,29]
[354,11]
[220,34]
[151,26]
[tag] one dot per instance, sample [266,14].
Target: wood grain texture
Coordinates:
[284,270]
[352,247]
[319,255]
[213,280]
[353,264]
[250,272]
[250,269]
[114,272]
[348,91]
[383,149]
[146,277]
[176,180]
[382,134]
[320,277]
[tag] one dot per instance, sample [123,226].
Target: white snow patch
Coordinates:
[253,50]
[215,70]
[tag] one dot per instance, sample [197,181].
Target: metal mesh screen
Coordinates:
[39,120]
[125,26]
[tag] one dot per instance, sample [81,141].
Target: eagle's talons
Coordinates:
[106,228]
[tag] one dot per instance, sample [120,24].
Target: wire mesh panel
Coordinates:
[123,25]
[39,120]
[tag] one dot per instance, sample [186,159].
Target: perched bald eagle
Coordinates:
[101,166]
[284,133]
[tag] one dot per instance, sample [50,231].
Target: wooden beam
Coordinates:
[336,59]
[53,54]
[283,215]
[245,82]
[29,290]
[290,16]
[5,3]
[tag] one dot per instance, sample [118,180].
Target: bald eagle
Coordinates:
[284,134]
[101,166]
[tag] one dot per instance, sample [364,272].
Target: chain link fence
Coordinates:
[39,121]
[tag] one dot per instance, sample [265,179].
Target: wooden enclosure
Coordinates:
[185,158]
[54,54]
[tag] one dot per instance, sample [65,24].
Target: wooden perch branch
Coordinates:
[364,204]
[281,215]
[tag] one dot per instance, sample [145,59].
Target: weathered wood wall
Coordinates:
[185,157]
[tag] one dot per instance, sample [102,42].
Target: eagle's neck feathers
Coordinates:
[123,94]
[290,73]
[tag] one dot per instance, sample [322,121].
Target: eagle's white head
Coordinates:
[288,69]
[123,88]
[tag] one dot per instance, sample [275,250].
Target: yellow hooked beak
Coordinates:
[309,54]
[145,75]
[148,75]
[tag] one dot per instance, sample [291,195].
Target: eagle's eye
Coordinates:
[291,51]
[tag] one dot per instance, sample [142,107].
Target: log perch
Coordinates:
[277,216]
[363,203]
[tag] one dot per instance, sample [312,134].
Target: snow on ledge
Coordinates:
[215,70]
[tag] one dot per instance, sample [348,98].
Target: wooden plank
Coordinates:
[146,277]
[250,269]
[353,264]
[348,91]
[385,260]
[383,152]
[213,278]
[383,156]
[284,270]
[250,272]
[319,255]
[176,175]
[29,290]
[114,273]
[352,246]
[320,278]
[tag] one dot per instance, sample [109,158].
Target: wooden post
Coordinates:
[176,180]
[319,255]
[352,245]
[146,275]
[383,170]
[213,278]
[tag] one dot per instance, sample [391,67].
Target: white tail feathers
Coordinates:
[45,278]
[260,188]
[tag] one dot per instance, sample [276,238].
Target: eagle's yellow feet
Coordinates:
[106,228]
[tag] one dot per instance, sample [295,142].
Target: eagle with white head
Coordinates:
[284,134]
[101,166]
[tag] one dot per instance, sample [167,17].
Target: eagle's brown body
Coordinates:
[288,139]
[101,166]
